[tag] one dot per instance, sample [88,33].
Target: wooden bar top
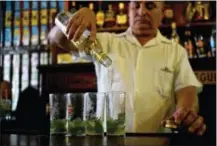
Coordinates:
[131,139]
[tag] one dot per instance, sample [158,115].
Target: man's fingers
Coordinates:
[71,20]
[202,130]
[93,32]
[190,118]
[197,124]
[180,115]
[79,31]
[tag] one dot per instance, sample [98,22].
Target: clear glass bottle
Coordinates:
[174,35]
[90,48]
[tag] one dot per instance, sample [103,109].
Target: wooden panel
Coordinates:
[70,82]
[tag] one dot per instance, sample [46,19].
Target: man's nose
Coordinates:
[143,10]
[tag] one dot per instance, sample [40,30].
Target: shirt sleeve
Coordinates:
[185,76]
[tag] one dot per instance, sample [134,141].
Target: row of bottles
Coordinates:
[196,45]
[115,13]
[27,23]
[105,18]
[191,11]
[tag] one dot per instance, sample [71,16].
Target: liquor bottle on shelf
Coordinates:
[207,10]
[34,23]
[73,8]
[213,43]
[199,11]
[190,11]
[52,13]
[201,52]
[174,36]
[168,14]
[91,6]
[17,19]
[110,17]
[8,20]
[43,22]
[121,17]
[100,16]
[189,44]
[25,23]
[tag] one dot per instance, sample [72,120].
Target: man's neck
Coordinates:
[143,40]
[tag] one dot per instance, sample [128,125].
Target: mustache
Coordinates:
[142,19]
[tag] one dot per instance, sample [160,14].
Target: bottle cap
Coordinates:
[121,5]
[91,6]
[173,25]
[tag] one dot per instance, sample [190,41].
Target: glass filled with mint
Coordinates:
[115,113]
[94,113]
[76,125]
[57,103]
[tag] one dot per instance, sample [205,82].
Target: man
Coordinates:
[154,71]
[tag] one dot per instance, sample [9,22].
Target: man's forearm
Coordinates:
[187,98]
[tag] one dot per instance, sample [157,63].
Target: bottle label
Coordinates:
[44,17]
[8,19]
[121,19]
[100,18]
[26,18]
[34,17]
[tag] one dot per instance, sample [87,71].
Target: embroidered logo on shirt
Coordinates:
[166,69]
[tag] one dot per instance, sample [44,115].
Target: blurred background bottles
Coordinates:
[121,17]
[174,35]
[110,17]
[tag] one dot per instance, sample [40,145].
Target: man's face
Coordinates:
[145,17]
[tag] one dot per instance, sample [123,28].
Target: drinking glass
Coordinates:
[115,119]
[76,125]
[94,110]
[57,113]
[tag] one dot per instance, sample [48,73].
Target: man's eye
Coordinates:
[137,5]
[150,5]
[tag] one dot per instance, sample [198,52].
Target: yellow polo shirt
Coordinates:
[150,75]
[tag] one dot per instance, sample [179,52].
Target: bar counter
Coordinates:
[131,139]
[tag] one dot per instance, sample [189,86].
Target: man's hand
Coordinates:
[81,20]
[188,118]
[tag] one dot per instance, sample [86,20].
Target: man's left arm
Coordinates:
[187,88]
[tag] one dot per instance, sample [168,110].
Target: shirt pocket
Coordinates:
[164,81]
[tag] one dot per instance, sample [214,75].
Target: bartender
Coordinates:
[154,71]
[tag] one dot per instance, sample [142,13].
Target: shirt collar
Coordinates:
[155,41]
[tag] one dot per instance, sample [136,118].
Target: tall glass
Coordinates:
[57,113]
[94,110]
[76,125]
[115,119]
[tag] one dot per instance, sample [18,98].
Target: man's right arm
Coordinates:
[83,19]
[57,38]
